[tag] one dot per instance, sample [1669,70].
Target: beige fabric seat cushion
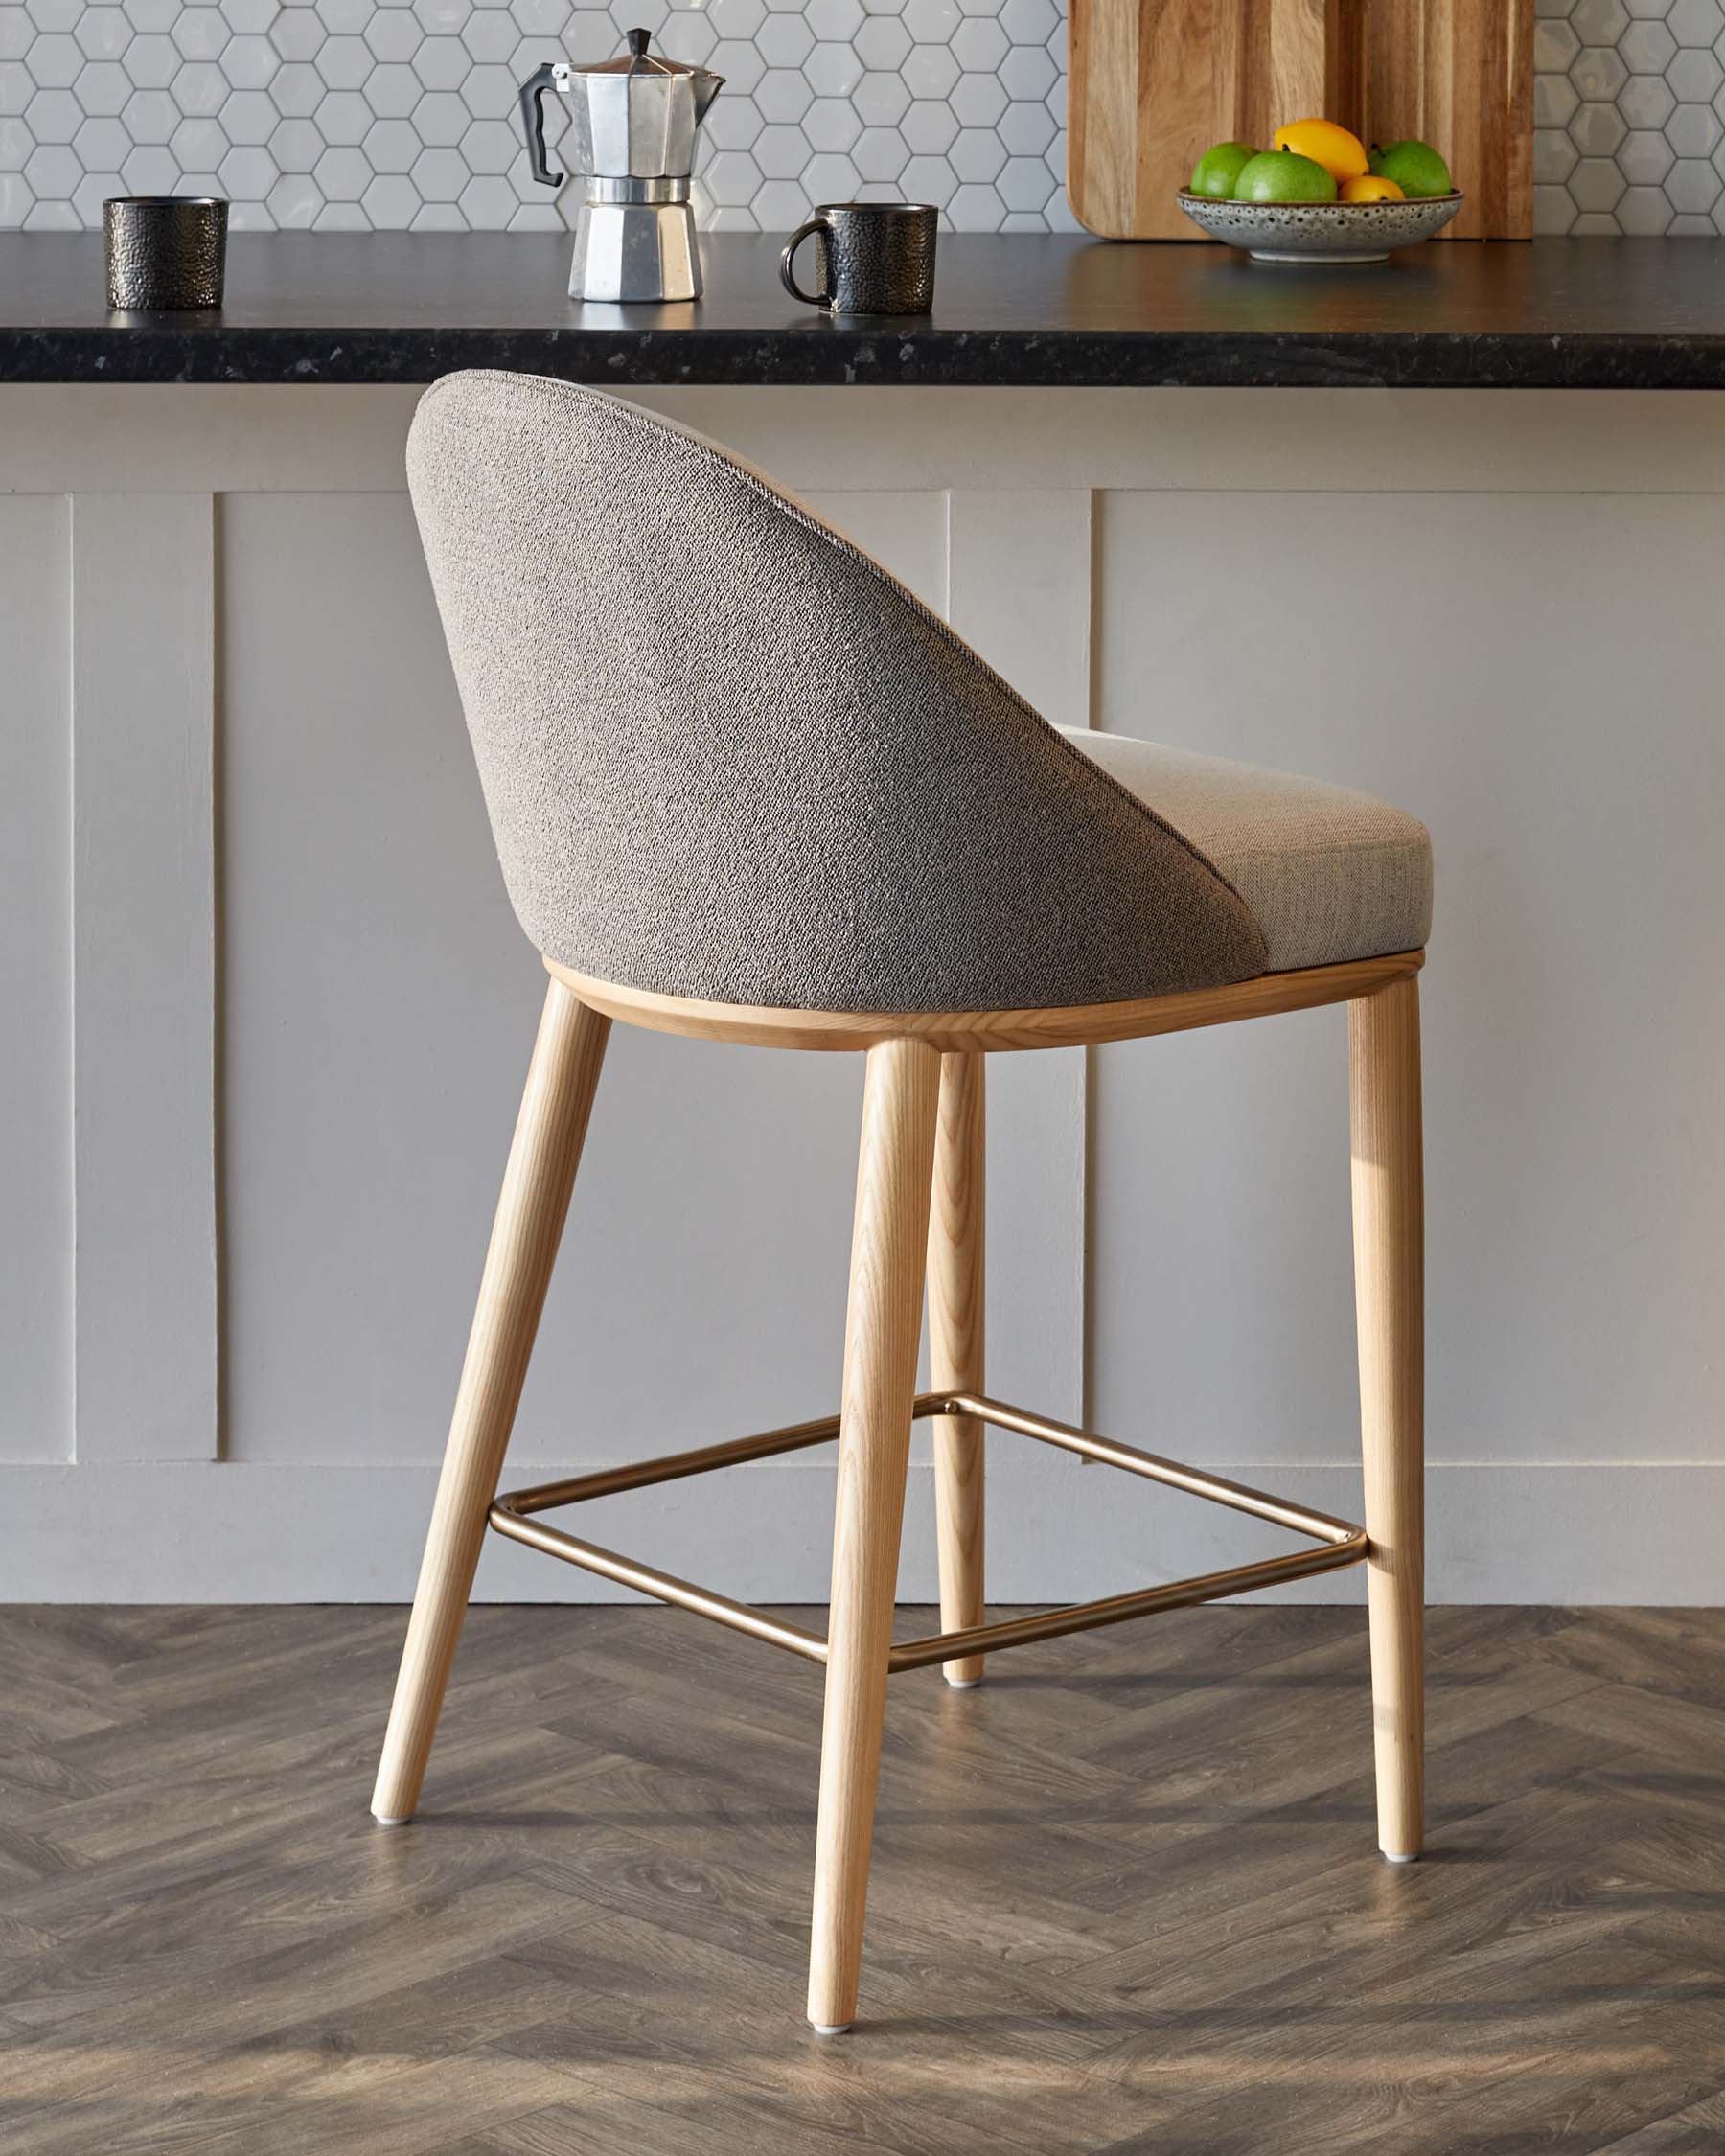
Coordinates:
[1327,873]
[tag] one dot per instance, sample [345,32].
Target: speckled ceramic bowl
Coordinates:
[1321,232]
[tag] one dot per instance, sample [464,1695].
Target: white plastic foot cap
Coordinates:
[1389,1857]
[830,2028]
[964,1684]
[383,1822]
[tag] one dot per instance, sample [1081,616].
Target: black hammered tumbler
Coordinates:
[164,250]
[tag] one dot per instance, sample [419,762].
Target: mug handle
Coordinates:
[788,276]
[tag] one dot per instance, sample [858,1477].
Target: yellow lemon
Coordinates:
[1371,189]
[1341,156]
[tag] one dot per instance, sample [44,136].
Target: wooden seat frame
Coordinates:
[919,1221]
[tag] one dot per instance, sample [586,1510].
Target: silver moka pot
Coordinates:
[633,121]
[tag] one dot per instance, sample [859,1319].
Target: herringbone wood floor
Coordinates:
[1125,1897]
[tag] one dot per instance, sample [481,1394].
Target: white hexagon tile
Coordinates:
[1630,116]
[356,114]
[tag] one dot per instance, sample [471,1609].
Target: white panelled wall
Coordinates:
[269,1012]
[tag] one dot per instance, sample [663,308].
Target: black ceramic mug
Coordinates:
[878,257]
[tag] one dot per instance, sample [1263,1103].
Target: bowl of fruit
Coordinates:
[1320,196]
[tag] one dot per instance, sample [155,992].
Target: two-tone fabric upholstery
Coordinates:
[1329,874]
[727,756]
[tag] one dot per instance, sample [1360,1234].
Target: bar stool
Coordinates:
[744,786]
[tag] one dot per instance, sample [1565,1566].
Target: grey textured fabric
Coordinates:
[727,755]
[1330,873]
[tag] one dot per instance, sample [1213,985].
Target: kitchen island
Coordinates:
[1023,311]
[1448,530]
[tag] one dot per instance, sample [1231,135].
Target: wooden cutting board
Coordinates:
[1154,82]
[1455,73]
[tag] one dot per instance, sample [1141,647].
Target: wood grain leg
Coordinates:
[1390,1303]
[956,1330]
[882,1328]
[536,1184]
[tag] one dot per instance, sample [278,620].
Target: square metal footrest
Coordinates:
[1338,1544]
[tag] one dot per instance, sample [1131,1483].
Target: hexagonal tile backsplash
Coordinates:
[1630,116]
[345,114]
[350,114]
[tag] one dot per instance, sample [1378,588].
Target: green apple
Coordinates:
[1415,167]
[1217,173]
[1283,175]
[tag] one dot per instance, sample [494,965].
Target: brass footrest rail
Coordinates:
[1337,1543]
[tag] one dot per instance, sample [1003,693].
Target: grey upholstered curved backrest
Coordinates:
[726,756]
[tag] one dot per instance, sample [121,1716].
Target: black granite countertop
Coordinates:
[1018,310]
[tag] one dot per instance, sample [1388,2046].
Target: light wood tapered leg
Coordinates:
[536,1184]
[955,1331]
[882,1323]
[1390,1303]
